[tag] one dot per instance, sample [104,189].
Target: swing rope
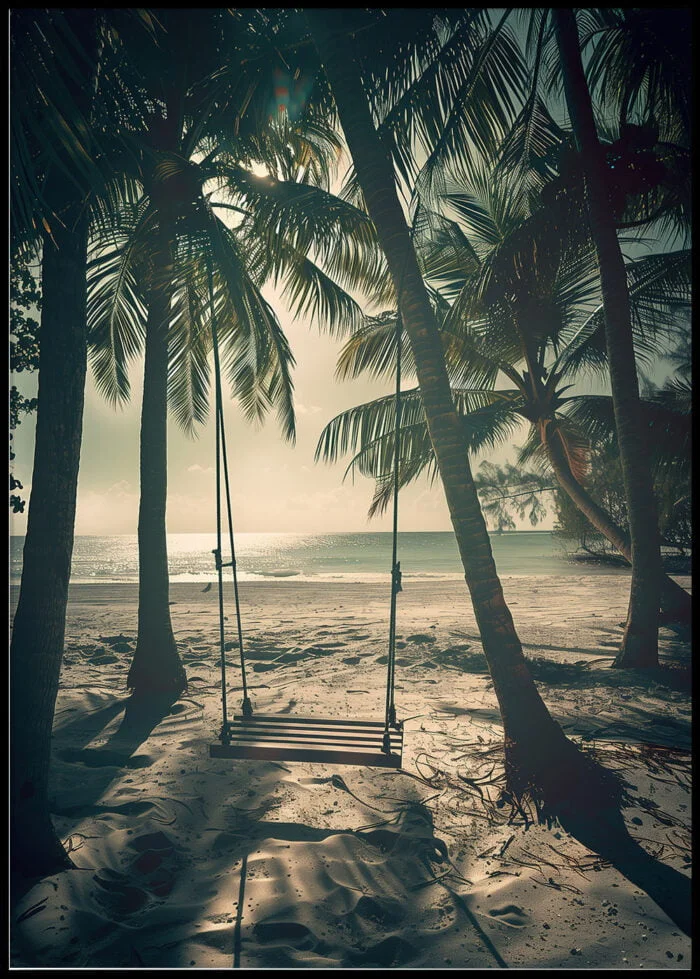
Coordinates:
[390,713]
[221,454]
[222,469]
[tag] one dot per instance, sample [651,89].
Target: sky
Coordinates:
[275,486]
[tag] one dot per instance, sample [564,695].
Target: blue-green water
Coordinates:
[317,557]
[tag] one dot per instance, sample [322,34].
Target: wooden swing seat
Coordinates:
[281,737]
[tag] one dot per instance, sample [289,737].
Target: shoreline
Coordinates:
[381,579]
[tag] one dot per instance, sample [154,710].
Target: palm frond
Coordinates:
[116,303]
[189,345]
[369,432]
[659,287]
[477,118]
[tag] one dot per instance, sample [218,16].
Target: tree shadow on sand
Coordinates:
[141,716]
[405,845]
[587,800]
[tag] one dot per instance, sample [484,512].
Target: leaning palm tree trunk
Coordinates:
[674,600]
[640,641]
[533,739]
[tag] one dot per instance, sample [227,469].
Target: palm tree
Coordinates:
[640,70]
[168,247]
[535,745]
[526,305]
[640,639]
[54,63]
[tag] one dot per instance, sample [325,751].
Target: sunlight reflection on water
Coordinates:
[318,557]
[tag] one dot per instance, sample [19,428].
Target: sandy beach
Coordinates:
[184,861]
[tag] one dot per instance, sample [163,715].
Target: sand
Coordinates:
[187,861]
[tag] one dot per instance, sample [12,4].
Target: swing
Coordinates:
[281,737]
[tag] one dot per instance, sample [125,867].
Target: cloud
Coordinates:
[306,409]
[196,468]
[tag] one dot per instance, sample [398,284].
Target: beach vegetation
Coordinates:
[25,302]
[468,213]
[537,751]
[519,301]
[640,640]
[165,264]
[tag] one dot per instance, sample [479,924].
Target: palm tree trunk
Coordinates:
[640,640]
[156,667]
[532,736]
[39,623]
[36,649]
[674,600]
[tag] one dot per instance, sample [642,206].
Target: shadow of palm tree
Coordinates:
[87,725]
[605,833]
[141,716]
[419,859]
[587,800]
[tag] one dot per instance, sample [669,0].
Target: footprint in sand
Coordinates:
[511,914]
[103,659]
[325,649]
[154,849]
[114,640]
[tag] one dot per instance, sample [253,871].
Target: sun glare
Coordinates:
[259,170]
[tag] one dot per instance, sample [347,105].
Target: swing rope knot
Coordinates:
[222,564]
[396,578]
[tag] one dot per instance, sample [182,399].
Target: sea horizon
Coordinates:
[360,556]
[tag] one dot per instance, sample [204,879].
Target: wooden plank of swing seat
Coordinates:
[325,721]
[318,729]
[310,738]
[280,737]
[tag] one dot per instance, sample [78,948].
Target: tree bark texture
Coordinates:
[640,640]
[528,726]
[36,649]
[156,667]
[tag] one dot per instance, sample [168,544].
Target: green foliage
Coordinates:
[196,147]
[516,294]
[605,486]
[25,300]
[508,489]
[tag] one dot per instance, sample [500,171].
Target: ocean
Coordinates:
[317,557]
